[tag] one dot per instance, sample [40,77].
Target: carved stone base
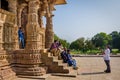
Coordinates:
[28,62]
[6,71]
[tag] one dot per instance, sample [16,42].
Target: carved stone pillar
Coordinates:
[29,61]
[49,34]
[19,11]
[2,21]
[32,28]
[13,8]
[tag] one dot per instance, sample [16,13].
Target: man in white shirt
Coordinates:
[106,56]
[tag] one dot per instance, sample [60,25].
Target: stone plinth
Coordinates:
[6,71]
[28,62]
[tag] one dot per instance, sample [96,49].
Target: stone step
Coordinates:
[55,58]
[59,61]
[68,67]
[57,69]
[24,65]
[62,64]
[55,65]
[43,77]
[29,73]
[5,67]
[72,73]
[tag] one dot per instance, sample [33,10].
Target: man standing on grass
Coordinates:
[106,56]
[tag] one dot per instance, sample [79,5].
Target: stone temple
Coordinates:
[34,60]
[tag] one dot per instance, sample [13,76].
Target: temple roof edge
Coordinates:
[60,2]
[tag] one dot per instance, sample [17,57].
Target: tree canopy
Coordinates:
[101,40]
[115,39]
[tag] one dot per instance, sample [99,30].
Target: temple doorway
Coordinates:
[24,20]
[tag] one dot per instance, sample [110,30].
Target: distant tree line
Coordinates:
[98,41]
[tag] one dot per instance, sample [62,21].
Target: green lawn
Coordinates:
[114,51]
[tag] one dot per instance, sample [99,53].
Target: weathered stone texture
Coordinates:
[5,67]
[28,62]
[31,61]
[8,31]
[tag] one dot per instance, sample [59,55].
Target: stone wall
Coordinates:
[8,31]
[7,42]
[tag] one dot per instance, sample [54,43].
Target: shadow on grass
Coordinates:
[93,73]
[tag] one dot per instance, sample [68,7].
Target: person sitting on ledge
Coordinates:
[53,48]
[70,60]
[64,55]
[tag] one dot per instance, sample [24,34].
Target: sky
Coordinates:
[86,18]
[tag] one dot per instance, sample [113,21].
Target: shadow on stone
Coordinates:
[93,73]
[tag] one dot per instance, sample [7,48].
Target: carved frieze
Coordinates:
[28,61]
[5,68]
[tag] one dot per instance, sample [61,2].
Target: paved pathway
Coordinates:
[92,68]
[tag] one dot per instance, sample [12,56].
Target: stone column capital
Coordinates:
[22,6]
[34,4]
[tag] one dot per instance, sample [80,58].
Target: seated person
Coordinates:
[71,61]
[59,48]
[53,48]
[64,55]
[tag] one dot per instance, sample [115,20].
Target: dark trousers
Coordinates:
[107,62]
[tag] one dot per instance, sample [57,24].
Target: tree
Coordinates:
[89,45]
[115,39]
[77,44]
[101,39]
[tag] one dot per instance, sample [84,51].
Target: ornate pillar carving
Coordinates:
[32,28]
[30,59]
[13,8]
[19,11]
[2,21]
[49,34]
[10,33]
